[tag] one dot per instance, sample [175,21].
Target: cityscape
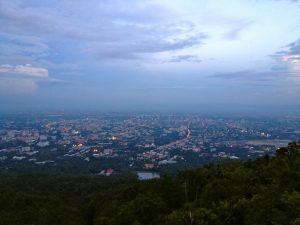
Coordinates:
[150,112]
[114,144]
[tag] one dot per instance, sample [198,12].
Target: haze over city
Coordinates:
[150,55]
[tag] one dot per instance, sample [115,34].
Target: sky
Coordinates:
[164,55]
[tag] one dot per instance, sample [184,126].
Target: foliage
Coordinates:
[265,191]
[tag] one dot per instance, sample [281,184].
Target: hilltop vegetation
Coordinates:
[262,192]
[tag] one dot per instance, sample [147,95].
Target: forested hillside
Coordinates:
[260,192]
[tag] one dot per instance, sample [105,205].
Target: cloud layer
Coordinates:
[27,70]
[117,29]
[21,78]
[114,52]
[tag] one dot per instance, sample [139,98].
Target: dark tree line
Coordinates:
[265,191]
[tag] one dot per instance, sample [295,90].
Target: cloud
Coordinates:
[252,75]
[22,49]
[19,44]
[6,68]
[289,58]
[129,49]
[293,48]
[117,29]
[17,85]
[31,71]
[185,58]
[23,78]
[27,70]
[234,75]
[237,28]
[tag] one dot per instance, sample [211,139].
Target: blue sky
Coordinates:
[149,55]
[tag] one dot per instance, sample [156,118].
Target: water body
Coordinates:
[147,175]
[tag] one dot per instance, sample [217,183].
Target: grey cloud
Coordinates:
[233,75]
[290,49]
[234,25]
[26,70]
[23,78]
[251,75]
[32,47]
[132,49]
[132,10]
[117,29]
[17,85]
[294,47]
[185,58]
[289,59]
[235,32]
